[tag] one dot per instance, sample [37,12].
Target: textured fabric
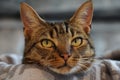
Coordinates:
[101,70]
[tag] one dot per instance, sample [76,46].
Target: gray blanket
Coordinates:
[101,70]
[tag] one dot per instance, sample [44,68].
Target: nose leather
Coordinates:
[65,56]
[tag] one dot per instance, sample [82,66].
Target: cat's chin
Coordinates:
[65,70]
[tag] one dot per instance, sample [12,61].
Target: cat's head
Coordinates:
[63,47]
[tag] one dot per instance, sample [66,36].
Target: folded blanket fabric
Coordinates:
[101,70]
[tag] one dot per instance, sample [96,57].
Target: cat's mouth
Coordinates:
[65,65]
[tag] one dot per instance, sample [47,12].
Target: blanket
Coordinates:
[11,69]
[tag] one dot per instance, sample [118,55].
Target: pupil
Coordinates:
[46,42]
[76,41]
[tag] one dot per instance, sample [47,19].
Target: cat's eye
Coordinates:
[47,43]
[76,42]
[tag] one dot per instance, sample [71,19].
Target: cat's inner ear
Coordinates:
[83,16]
[29,17]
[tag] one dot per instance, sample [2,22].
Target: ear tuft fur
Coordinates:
[83,16]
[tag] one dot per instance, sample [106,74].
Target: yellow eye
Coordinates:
[47,43]
[76,42]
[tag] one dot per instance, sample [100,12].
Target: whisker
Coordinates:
[84,58]
[88,58]
[84,62]
[84,66]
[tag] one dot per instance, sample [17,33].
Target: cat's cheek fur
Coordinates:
[72,62]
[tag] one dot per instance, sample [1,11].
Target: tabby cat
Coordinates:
[62,47]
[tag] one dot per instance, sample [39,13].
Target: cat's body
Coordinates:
[64,48]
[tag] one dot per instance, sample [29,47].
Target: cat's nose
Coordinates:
[65,56]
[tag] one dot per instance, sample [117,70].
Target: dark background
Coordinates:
[105,27]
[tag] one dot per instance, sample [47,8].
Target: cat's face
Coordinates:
[63,47]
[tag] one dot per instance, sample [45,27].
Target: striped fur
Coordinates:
[62,57]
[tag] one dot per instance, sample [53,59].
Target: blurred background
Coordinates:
[105,26]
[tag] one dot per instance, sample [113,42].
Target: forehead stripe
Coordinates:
[66,25]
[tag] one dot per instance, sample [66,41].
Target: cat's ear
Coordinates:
[83,16]
[30,18]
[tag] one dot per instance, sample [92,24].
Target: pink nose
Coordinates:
[65,56]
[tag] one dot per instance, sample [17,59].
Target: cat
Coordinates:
[62,47]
